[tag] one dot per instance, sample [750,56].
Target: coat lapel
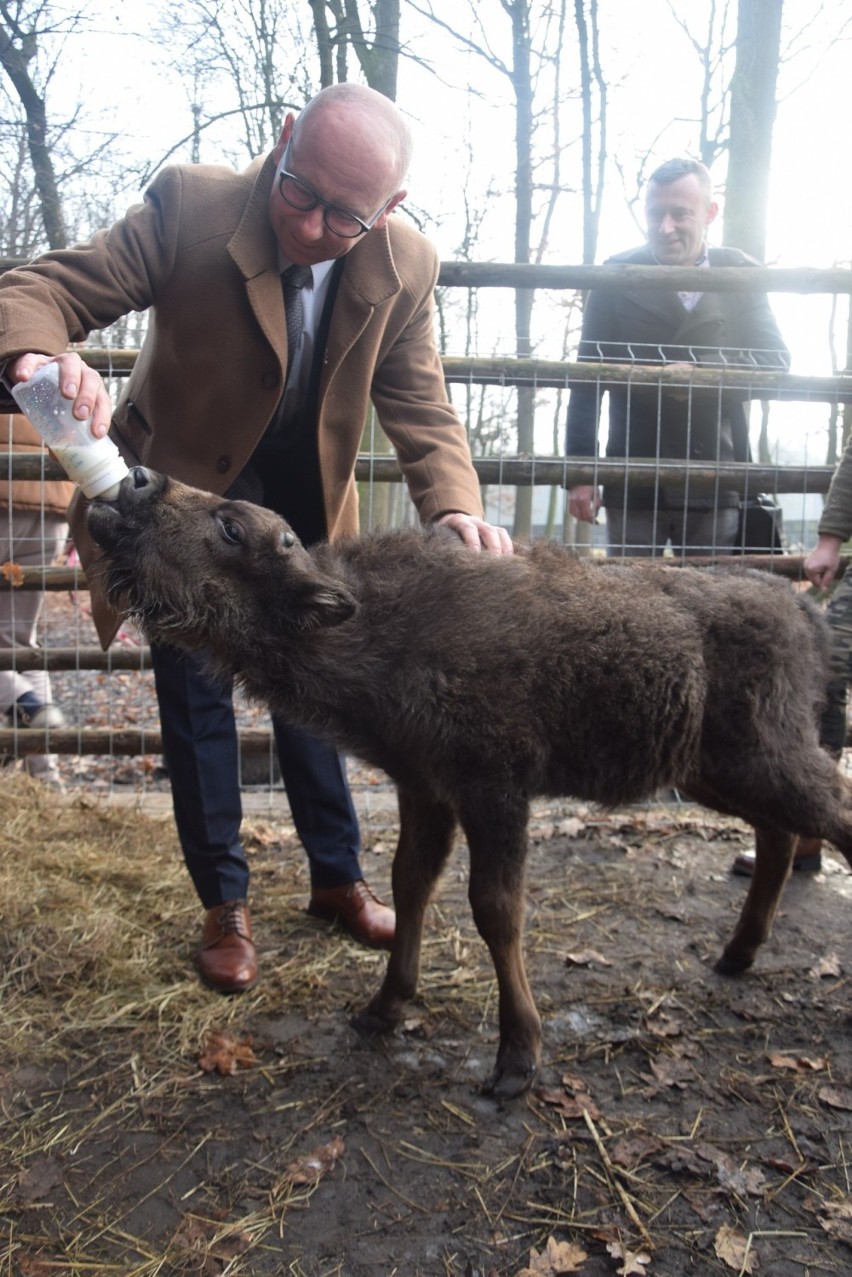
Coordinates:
[369,278]
[255,253]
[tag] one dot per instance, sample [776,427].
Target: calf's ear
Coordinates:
[324,604]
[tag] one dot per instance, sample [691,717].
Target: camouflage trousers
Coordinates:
[839,617]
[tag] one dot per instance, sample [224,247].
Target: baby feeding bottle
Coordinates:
[95,465]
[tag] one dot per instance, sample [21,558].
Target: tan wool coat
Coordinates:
[199,252]
[17,434]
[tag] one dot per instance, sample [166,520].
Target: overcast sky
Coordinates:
[654,81]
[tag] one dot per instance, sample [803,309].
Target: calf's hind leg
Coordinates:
[426,829]
[773,860]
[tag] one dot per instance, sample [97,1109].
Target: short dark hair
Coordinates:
[681,166]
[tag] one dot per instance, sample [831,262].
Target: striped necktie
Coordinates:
[294,280]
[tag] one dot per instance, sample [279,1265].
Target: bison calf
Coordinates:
[479,682]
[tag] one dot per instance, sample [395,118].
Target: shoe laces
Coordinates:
[361,892]
[231,918]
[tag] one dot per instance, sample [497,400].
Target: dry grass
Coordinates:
[661,1122]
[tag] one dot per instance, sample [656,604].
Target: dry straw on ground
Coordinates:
[682,1123]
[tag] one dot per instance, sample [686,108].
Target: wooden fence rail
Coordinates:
[109,741]
[562,374]
[548,472]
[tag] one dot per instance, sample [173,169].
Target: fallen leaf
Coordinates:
[571,827]
[798,1063]
[39,1179]
[837,1219]
[13,573]
[556,1258]
[634,1261]
[319,1163]
[569,1106]
[670,1072]
[664,1026]
[704,1202]
[260,835]
[418,1026]
[630,1152]
[733,1249]
[837,1097]
[744,1181]
[222,1053]
[196,1240]
[586,958]
[573,1101]
[698,1158]
[827,967]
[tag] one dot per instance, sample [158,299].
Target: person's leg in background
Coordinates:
[29,539]
[640,534]
[700,532]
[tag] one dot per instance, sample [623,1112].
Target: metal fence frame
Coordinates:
[514,471]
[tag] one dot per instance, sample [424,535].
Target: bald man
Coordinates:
[221,398]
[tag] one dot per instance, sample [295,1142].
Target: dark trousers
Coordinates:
[199,730]
[644,533]
[201,753]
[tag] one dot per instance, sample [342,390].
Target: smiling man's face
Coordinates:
[677,216]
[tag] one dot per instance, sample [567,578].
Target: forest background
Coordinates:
[536,125]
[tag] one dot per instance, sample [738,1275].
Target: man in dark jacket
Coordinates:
[662,326]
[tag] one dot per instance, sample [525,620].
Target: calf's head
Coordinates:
[196,570]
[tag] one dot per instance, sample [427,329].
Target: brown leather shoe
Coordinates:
[807,859]
[360,912]
[227,961]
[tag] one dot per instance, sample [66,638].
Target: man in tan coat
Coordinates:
[217,400]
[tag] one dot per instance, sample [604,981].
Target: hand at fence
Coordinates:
[584,501]
[823,561]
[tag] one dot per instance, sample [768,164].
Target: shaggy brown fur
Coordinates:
[479,682]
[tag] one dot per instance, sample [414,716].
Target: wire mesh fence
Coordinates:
[720,455]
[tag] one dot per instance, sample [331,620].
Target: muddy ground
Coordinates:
[681,1123]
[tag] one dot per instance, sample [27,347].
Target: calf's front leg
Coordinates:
[426,829]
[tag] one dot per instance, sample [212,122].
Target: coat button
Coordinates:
[223,464]
[270,380]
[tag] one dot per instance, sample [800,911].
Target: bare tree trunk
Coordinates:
[377,51]
[518,11]
[590,70]
[17,50]
[752,122]
[324,41]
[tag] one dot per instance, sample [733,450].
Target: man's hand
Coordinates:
[477,534]
[823,561]
[76,381]
[584,501]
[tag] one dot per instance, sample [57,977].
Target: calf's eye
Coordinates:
[231,532]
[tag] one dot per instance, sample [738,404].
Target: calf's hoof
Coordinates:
[733,963]
[373,1021]
[512,1076]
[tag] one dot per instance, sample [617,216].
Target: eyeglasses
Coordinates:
[296,192]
